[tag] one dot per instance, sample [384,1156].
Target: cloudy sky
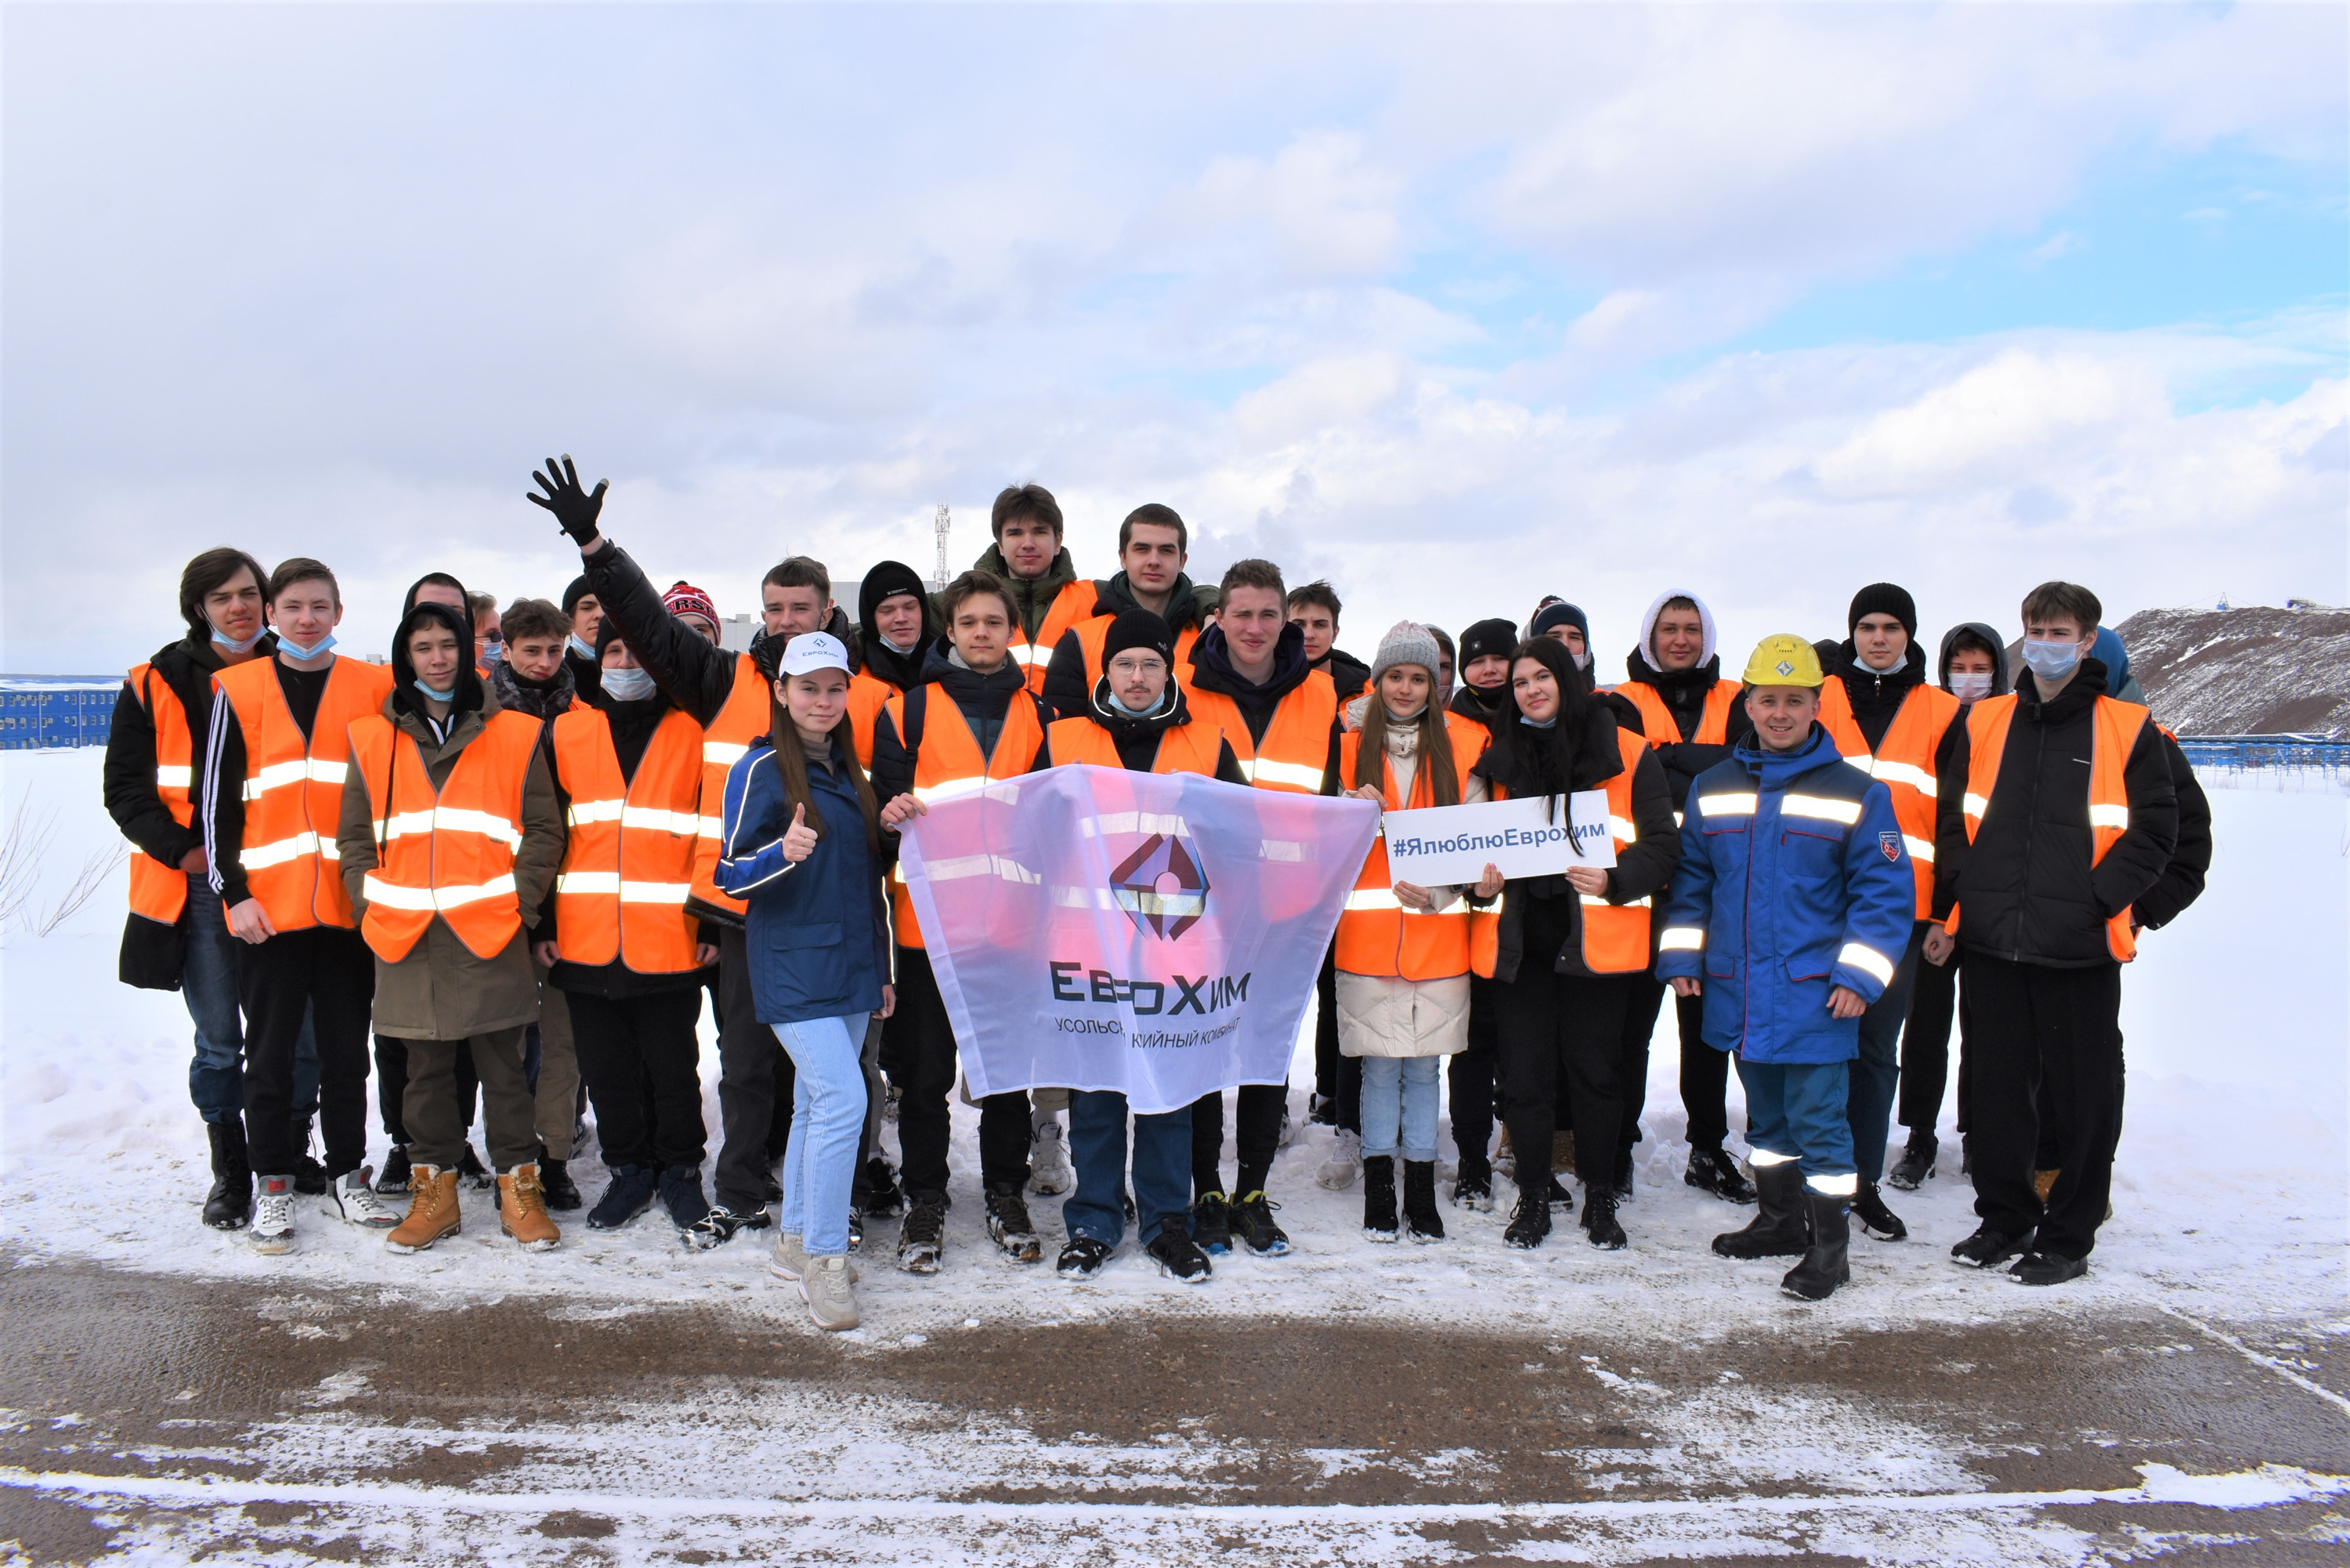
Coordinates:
[1456,307]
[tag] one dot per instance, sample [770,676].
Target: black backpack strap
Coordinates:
[917,705]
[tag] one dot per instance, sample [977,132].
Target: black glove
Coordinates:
[574,507]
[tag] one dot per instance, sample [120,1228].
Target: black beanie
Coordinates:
[1138,627]
[608,632]
[1557,613]
[887,580]
[1496,637]
[575,593]
[1884,598]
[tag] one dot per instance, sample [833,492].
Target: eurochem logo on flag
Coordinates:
[1154,934]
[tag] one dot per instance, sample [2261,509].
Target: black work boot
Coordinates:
[229,1204]
[1380,1198]
[1419,1215]
[1826,1261]
[309,1176]
[1916,1165]
[1777,1230]
[1713,1170]
[1868,1208]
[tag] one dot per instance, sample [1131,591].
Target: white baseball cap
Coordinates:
[814,651]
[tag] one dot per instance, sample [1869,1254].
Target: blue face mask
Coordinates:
[584,650]
[2050,660]
[493,650]
[448,696]
[297,652]
[233,645]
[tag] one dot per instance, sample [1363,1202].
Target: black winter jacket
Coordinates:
[2182,878]
[1684,693]
[697,674]
[1138,739]
[1347,673]
[2025,888]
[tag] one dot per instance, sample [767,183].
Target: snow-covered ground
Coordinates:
[2232,1193]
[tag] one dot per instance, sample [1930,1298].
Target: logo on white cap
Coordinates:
[814,651]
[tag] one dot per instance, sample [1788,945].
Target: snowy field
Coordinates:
[2230,1190]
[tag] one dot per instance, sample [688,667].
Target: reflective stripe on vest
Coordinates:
[1903,762]
[1614,936]
[2114,733]
[157,891]
[1374,936]
[453,857]
[1712,724]
[1296,744]
[949,763]
[293,786]
[1192,748]
[629,863]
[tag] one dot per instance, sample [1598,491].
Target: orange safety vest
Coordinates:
[1075,603]
[725,741]
[1093,634]
[1713,725]
[1192,748]
[1614,936]
[629,862]
[157,891]
[450,851]
[1376,934]
[293,786]
[1903,762]
[1296,741]
[2116,731]
[947,763]
[867,696]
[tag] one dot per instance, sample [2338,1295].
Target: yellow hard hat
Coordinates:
[1782,658]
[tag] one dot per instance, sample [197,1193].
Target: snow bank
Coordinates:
[2231,1191]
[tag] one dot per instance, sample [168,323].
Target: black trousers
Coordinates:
[1327,1058]
[1470,1074]
[918,1051]
[642,1063]
[1554,1025]
[1705,1077]
[1639,1025]
[1256,1117]
[2047,1043]
[391,1082]
[327,972]
[1934,999]
[754,1083]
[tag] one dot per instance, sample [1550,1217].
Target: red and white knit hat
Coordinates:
[684,599]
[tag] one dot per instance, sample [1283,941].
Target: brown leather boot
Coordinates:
[522,1210]
[432,1211]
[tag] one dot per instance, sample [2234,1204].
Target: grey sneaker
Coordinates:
[786,1261]
[826,1286]
[1337,1172]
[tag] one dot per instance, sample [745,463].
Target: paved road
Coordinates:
[157,1419]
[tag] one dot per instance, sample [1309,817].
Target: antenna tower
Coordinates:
[943,523]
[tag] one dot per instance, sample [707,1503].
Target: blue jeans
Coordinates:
[1162,1168]
[208,985]
[1877,1074]
[828,1123]
[1795,1110]
[1400,1105]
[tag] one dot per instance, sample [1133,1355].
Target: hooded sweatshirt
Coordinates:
[902,669]
[1999,684]
[1683,693]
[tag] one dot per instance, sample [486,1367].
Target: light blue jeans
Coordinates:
[1399,1098]
[828,1123]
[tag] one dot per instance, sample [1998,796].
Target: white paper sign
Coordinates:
[1447,846]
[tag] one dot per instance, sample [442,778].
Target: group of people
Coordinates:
[517,854]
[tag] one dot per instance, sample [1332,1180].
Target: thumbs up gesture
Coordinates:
[799,839]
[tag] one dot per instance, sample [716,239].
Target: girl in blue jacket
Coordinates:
[805,844]
[1792,905]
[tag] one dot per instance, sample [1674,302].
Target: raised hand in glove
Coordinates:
[575,507]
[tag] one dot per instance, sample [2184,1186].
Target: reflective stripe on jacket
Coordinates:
[1903,762]
[1376,934]
[2115,733]
[629,860]
[293,786]
[159,892]
[947,763]
[448,852]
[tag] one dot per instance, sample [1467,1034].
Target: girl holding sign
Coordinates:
[806,845]
[1569,953]
[1403,949]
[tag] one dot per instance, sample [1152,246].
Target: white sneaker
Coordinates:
[826,1286]
[1048,1161]
[272,1230]
[353,1197]
[1337,1172]
[787,1260]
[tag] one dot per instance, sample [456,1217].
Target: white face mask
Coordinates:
[233,645]
[584,650]
[301,654]
[448,696]
[1970,685]
[628,685]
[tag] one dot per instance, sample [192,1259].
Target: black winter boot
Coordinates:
[1474,1187]
[1419,1214]
[1826,1263]
[1529,1222]
[309,1176]
[229,1204]
[1380,1198]
[1599,1221]
[394,1176]
[1917,1163]
[1713,1170]
[1868,1208]
[555,1181]
[1777,1230]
